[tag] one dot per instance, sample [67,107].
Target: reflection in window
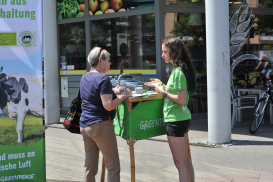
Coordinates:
[253,3]
[73,50]
[130,40]
[253,73]
[186,2]
[191,28]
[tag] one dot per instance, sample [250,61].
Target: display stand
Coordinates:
[129,136]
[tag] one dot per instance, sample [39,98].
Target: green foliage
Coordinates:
[33,130]
[201,144]
[187,27]
[106,26]
[80,14]
[149,20]
[264,23]
[68,9]
[72,34]
[266,4]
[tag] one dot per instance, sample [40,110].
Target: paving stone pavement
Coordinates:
[250,160]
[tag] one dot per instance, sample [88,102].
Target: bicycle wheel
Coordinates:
[257,116]
[260,83]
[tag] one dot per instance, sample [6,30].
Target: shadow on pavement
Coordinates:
[241,128]
[57,180]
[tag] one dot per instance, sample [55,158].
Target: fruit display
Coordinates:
[99,7]
[76,8]
[70,8]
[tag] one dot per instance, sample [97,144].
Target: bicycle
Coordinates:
[258,81]
[260,110]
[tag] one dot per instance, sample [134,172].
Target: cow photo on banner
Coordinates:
[22,142]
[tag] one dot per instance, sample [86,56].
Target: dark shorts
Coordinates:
[178,128]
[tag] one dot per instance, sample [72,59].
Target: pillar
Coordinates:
[51,63]
[218,75]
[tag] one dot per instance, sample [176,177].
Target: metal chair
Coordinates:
[235,98]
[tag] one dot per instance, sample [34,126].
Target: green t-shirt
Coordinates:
[173,111]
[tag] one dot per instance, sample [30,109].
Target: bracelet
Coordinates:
[165,94]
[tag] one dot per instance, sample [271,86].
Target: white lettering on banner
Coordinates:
[16,156]
[16,177]
[3,157]
[151,124]
[31,154]
[25,164]
[7,167]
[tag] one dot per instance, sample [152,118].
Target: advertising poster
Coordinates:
[22,142]
[76,8]
[64,86]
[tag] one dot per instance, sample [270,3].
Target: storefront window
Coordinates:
[130,41]
[98,7]
[253,3]
[70,9]
[191,29]
[252,73]
[73,50]
[186,2]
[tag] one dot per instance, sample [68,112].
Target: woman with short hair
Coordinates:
[99,104]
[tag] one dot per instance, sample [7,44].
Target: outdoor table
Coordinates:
[139,118]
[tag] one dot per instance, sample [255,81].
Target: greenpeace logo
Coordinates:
[151,124]
[17,177]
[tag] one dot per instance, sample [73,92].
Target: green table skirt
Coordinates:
[145,120]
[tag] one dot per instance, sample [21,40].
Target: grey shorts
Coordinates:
[267,72]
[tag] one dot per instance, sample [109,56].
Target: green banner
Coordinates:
[19,163]
[22,142]
[145,120]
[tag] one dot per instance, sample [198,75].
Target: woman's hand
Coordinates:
[118,89]
[159,89]
[154,82]
[127,92]
[109,104]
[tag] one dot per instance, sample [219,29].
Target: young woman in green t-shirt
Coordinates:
[177,116]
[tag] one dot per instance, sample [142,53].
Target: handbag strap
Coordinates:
[79,93]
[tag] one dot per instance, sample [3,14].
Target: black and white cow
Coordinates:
[21,94]
[26,37]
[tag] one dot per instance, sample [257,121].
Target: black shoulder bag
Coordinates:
[72,119]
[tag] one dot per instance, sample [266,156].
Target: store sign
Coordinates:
[76,8]
[22,142]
